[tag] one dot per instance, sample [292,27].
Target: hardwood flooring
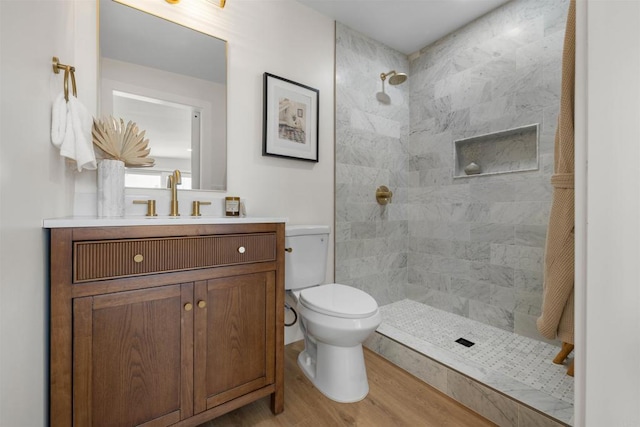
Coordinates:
[396,398]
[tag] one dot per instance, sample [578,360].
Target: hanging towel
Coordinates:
[557,320]
[71,131]
[82,121]
[58,120]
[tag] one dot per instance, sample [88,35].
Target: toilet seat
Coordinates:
[339,301]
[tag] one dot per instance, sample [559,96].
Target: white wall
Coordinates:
[608,354]
[280,37]
[34,183]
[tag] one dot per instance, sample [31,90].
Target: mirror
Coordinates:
[172,82]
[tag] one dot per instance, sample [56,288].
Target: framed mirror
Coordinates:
[171,81]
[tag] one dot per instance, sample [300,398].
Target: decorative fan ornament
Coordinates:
[119,142]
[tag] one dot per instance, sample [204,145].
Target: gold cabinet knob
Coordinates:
[138,258]
[242,249]
[188,306]
[288,250]
[202,304]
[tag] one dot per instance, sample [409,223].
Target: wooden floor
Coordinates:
[396,398]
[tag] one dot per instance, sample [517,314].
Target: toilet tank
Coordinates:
[306,263]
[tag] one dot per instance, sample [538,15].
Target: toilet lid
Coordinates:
[339,301]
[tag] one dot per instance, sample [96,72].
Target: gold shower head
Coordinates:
[395,79]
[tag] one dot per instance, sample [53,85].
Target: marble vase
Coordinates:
[110,188]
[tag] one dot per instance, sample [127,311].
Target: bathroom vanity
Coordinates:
[172,323]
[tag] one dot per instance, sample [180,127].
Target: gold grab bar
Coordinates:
[68,71]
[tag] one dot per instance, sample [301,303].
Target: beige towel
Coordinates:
[556,320]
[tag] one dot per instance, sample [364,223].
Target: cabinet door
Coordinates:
[133,357]
[235,337]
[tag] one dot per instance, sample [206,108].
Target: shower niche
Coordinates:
[507,151]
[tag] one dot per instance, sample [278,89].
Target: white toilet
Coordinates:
[334,318]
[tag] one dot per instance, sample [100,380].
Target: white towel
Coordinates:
[71,132]
[82,123]
[58,120]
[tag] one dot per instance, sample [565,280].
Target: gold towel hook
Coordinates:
[68,71]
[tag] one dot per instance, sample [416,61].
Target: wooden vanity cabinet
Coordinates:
[165,325]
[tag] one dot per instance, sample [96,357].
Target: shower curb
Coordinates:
[492,404]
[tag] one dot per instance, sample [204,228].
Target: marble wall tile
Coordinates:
[392,261]
[470,212]
[425,245]
[430,280]
[414,291]
[528,303]
[422,142]
[492,191]
[342,231]
[505,255]
[447,302]
[361,267]
[382,246]
[424,161]
[434,177]
[549,120]
[547,164]
[448,194]
[432,212]
[371,149]
[477,291]
[531,258]
[538,189]
[529,280]
[491,315]
[531,235]
[495,274]
[363,230]
[493,109]
[530,213]
[349,249]
[441,235]
[503,297]
[492,233]
[374,124]
[472,251]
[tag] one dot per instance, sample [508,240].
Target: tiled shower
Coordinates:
[470,245]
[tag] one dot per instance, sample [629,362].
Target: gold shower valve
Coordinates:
[383,195]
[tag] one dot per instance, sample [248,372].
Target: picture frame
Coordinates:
[291,115]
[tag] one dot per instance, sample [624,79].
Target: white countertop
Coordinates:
[70,222]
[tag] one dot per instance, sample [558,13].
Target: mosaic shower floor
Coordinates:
[515,365]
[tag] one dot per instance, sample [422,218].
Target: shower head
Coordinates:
[395,79]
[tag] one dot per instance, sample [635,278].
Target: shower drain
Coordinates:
[465,342]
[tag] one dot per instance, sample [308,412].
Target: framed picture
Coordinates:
[290,127]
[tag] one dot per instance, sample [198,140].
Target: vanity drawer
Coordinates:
[107,259]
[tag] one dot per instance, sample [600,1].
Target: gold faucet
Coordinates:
[174,180]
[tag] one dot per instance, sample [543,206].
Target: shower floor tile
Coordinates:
[515,365]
